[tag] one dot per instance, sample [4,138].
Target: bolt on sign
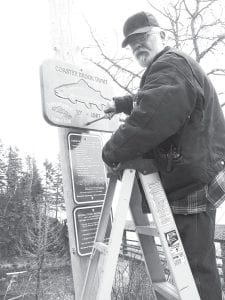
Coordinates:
[73,97]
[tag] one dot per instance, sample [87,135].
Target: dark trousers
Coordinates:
[197,234]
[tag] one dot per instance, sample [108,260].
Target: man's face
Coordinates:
[146,45]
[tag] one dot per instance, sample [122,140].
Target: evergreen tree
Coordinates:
[4,239]
[58,204]
[44,234]
[11,205]
[31,191]
[2,169]
[14,171]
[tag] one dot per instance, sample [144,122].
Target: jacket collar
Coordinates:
[159,54]
[167,48]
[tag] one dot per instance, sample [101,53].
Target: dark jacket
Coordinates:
[176,116]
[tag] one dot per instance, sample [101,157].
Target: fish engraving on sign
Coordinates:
[83,93]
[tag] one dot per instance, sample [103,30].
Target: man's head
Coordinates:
[144,36]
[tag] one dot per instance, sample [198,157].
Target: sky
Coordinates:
[26,41]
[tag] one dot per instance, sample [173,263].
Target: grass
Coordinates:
[56,283]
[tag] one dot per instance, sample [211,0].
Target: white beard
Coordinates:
[143,59]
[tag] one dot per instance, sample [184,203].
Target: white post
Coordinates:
[61,13]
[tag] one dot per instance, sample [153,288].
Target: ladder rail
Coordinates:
[92,271]
[141,219]
[111,257]
[151,258]
[102,265]
[169,236]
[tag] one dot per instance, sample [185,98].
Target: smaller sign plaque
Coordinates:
[86,221]
[87,168]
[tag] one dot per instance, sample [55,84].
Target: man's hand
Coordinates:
[114,172]
[110,109]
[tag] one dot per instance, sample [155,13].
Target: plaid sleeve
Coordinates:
[216,189]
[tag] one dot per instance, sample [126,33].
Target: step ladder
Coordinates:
[103,261]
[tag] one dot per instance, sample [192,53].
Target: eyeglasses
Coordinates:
[139,37]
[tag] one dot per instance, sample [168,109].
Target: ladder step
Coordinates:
[166,289]
[147,230]
[101,247]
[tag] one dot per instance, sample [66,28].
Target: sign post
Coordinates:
[72,97]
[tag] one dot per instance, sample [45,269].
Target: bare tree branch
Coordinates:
[187,9]
[105,56]
[211,2]
[205,26]
[191,27]
[113,78]
[217,72]
[220,39]
[156,9]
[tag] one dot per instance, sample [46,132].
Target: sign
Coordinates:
[72,97]
[86,222]
[87,168]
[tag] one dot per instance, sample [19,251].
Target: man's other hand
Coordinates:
[114,172]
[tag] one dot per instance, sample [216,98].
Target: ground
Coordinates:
[56,282]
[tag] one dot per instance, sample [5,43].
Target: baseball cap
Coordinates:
[138,23]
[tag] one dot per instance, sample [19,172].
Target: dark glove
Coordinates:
[109,163]
[113,108]
[114,172]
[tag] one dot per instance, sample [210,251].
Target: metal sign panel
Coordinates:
[86,223]
[88,173]
[72,97]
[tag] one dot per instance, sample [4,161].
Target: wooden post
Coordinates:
[222,246]
[61,13]
[124,242]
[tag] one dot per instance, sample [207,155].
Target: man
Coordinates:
[176,117]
